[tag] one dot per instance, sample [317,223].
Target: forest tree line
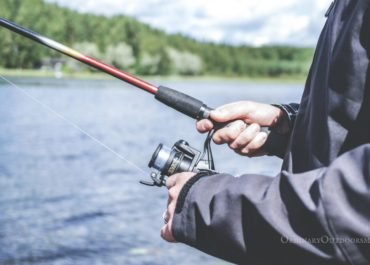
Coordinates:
[136,47]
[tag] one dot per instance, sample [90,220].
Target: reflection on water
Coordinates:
[66,200]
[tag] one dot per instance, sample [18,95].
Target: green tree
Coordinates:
[120,55]
[134,46]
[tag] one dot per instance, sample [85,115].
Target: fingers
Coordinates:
[170,211]
[245,137]
[174,185]
[249,112]
[173,193]
[253,148]
[178,179]
[166,231]
[229,133]
[229,112]
[233,111]
[171,181]
[204,126]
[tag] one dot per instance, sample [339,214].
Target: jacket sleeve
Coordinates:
[278,139]
[316,217]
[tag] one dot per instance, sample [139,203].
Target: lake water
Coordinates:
[64,199]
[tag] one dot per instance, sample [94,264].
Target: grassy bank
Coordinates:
[103,76]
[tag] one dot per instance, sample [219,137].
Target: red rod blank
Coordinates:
[120,75]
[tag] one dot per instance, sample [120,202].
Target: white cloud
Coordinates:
[256,22]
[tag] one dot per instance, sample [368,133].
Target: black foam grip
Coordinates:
[186,104]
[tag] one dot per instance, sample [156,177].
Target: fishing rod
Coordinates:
[167,161]
[179,101]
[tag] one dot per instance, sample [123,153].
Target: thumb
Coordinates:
[231,112]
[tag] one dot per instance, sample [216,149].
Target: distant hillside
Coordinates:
[135,46]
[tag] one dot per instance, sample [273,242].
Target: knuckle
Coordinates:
[199,127]
[170,182]
[258,127]
[238,143]
[234,146]
[223,133]
[204,125]
[186,176]
[217,139]
[233,132]
[257,144]
[245,138]
[221,136]
[163,232]
[172,194]
[230,135]
[255,127]
[171,209]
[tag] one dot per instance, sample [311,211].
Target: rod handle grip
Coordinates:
[183,103]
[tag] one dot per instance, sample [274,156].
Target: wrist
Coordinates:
[286,118]
[188,185]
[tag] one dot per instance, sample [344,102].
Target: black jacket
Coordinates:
[317,211]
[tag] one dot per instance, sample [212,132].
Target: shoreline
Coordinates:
[103,76]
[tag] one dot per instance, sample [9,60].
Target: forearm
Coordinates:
[249,219]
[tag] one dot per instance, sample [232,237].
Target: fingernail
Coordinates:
[264,138]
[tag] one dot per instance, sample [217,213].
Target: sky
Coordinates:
[252,22]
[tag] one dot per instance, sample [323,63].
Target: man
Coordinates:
[317,210]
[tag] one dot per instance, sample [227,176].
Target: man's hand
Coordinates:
[243,134]
[174,185]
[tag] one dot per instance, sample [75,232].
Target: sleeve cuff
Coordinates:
[290,112]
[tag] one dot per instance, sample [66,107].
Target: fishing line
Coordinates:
[60,116]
